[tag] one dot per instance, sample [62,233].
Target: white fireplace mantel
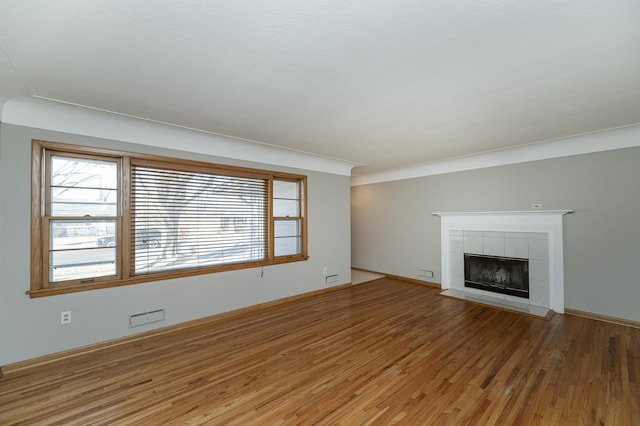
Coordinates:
[508,213]
[533,221]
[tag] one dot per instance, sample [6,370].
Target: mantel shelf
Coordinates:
[505,213]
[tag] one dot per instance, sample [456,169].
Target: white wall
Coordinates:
[31,327]
[394,231]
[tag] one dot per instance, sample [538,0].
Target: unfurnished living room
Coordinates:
[319,213]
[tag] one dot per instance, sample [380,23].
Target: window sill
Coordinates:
[54,291]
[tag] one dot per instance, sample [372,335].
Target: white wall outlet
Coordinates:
[325,270]
[65,317]
[536,206]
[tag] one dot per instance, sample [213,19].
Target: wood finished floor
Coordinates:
[384,352]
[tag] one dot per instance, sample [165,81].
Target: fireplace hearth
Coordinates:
[498,274]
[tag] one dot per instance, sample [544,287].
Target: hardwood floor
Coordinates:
[383,352]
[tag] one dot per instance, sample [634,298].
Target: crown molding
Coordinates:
[68,118]
[605,140]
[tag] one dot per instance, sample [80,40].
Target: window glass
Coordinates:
[78,264]
[285,208]
[287,228]
[111,218]
[285,189]
[286,246]
[287,211]
[188,220]
[81,187]
[80,234]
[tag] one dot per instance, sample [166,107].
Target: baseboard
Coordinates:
[367,270]
[46,359]
[400,278]
[605,318]
[414,281]
[574,312]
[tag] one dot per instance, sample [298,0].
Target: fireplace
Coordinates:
[498,274]
[534,235]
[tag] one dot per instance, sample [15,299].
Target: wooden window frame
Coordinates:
[300,217]
[40,285]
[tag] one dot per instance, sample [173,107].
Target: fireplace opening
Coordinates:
[506,275]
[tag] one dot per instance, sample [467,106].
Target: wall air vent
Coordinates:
[144,318]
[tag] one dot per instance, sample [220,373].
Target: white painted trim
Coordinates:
[605,140]
[506,213]
[546,221]
[62,117]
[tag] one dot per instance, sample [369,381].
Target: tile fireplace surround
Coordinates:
[535,235]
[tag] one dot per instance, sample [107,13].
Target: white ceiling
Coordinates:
[383,83]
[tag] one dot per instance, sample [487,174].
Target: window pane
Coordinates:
[188,220]
[287,228]
[284,208]
[83,202]
[82,172]
[78,234]
[82,263]
[81,187]
[180,215]
[286,246]
[285,189]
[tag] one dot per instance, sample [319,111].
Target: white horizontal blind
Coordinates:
[185,219]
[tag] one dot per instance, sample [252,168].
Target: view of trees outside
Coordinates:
[180,219]
[84,205]
[203,219]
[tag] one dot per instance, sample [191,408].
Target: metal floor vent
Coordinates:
[331,279]
[137,320]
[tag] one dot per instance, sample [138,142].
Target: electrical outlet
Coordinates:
[65,317]
[325,270]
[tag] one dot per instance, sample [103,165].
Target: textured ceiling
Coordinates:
[383,83]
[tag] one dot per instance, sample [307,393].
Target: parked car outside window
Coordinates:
[147,238]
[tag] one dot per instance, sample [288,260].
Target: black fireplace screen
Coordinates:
[506,275]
